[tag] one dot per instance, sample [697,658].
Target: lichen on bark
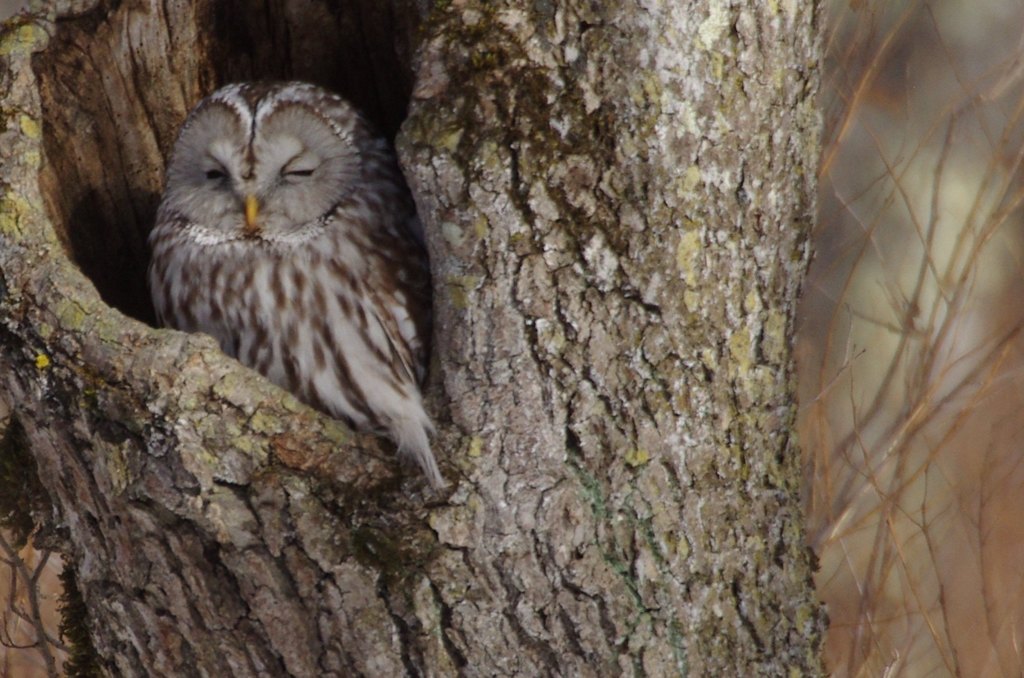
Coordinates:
[611,215]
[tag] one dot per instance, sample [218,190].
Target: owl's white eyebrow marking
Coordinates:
[230,97]
[295,97]
[233,97]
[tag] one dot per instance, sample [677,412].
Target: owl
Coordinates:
[286,231]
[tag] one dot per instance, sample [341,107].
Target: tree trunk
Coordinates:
[617,203]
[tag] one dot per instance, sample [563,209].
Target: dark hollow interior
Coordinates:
[116,83]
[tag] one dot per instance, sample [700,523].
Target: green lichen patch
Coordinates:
[688,256]
[21,40]
[459,287]
[13,209]
[30,127]
[637,457]
[740,349]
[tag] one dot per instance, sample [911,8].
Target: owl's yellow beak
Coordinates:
[252,210]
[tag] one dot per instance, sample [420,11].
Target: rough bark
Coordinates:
[617,201]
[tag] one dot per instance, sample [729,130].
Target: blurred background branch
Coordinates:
[910,346]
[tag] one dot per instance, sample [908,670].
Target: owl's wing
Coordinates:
[402,343]
[401,287]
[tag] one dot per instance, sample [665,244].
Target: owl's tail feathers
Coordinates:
[411,436]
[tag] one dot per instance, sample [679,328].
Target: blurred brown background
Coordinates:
[910,346]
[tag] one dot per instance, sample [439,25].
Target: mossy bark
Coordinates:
[617,203]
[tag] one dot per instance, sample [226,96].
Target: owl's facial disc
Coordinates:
[208,160]
[269,176]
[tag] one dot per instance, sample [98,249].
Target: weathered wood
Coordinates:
[617,203]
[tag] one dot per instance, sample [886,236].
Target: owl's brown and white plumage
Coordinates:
[287,233]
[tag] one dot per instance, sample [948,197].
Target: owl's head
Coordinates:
[264,161]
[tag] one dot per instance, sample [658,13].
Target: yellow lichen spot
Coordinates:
[459,298]
[778,81]
[117,467]
[692,300]
[476,447]
[653,90]
[458,288]
[752,303]
[29,127]
[291,404]
[637,457]
[449,140]
[709,358]
[490,156]
[773,6]
[261,423]
[480,226]
[804,614]
[691,178]
[337,433]
[717,65]
[739,349]
[774,342]
[71,315]
[42,361]
[636,92]
[687,253]
[22,40]
[12,207]
[683,548]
